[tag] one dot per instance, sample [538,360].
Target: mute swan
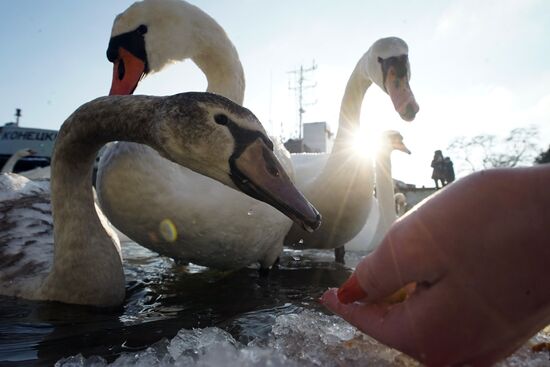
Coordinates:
[33,174]
[214,226]
[206,132]
[343,190]
[12,161]
[383,212]
[400,203]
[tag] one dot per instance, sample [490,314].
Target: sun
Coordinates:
[366,144]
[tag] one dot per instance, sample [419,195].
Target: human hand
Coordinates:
[478,253]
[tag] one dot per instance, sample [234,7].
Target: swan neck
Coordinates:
[350,113]
[80,138]
[350,108]
[219,61]
[10,163]
[384,189]
[82,245]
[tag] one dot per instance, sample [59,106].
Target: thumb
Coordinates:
[405,255]
[391,328]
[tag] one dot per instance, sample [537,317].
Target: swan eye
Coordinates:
[221,119]
[121,69]
[142,29]
[270,164]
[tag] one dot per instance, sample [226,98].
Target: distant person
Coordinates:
[475,261]
[449,171]
[438,165]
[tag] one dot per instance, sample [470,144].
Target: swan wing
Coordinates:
[26,234]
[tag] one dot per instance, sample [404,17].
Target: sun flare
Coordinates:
[366,145]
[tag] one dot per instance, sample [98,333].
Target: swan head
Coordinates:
[386,63]
[151,34]
[226,142]
[393,140]
[25,152]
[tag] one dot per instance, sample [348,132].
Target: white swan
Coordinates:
[342,191]
[33,174]
[400,203]
[216,226]
[12,161]
[383,211]
[206,132]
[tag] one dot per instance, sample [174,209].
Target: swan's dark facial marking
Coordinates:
[127,53]
[133,42]
[242,137]
[396,76]
[397,65]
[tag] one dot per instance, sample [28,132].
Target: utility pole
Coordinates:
[299,85]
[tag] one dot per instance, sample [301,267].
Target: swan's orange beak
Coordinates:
[127,72]
[401,95]
[257,172]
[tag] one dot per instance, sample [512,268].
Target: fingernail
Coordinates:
[351,291]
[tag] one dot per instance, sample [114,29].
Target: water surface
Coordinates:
[176,314]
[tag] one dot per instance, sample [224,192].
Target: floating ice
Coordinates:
[302,338]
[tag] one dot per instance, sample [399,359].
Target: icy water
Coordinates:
[178,315]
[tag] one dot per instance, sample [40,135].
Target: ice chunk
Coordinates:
[299,338]
[198,342]
[315,339]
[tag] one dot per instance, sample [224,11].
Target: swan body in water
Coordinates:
[343,190]
[74,257]
[383,211]
[139,190]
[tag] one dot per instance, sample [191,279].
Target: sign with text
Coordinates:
[14,138]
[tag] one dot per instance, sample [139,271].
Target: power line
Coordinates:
[299,85]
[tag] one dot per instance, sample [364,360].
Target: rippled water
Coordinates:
[188,315]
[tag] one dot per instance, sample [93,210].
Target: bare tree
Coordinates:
[488,151]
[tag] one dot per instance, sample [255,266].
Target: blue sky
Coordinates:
[477,66]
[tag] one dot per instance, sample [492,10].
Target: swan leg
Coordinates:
[339,253]
[264,272]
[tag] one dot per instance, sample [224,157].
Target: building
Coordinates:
[318,137]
